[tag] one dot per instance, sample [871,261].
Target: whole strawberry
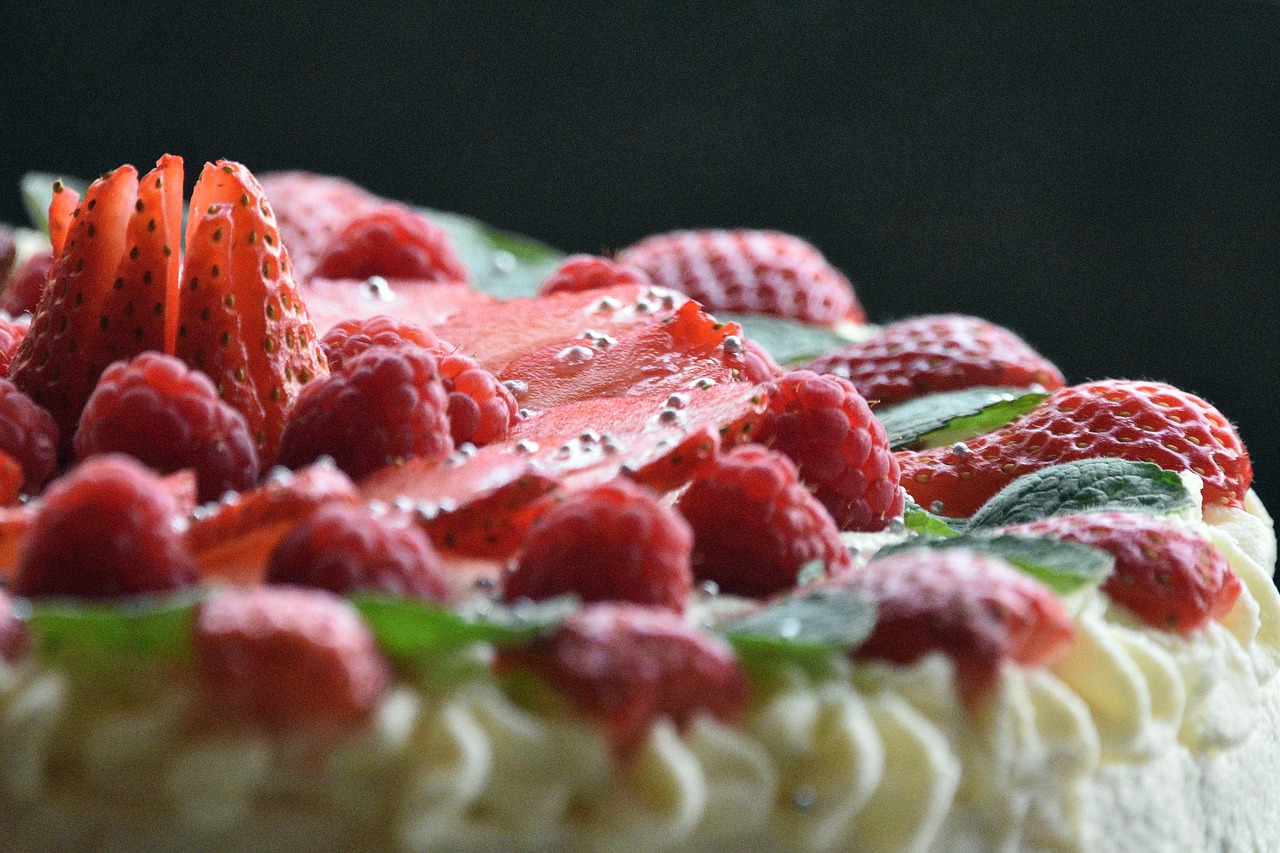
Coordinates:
[759,272]
[589,272]
[1165,575]
[946,352]
[629,666]
[1138,421]
[29,435]
[342,548]
[826,428]
[755,526]
[977,610]
[614,542]
[287,659]
[158,411]
[383,407]
[103,531]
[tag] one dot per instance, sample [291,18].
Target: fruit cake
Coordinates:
[331,523]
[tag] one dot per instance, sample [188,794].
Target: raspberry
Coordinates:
[29,435]
[11,334]
[342,548]
[103,531]
[630,666]
[288,658]
[613,542]
[826,428]
[383,407]
[391,241]
[311,210]
[14,638]
[755,526]
[764,272]
[590,272]
[158,411]
[27,284]
[761,366]
[349,338]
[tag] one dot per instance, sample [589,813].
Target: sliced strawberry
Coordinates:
[232,541]
[15,521]
[242,320]
[61,210]
[426,303]
[10,479]
[497,334]
[664,357]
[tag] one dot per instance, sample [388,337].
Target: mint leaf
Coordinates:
[37,192]
[787,340]
[501,264]
[944,418]
[85,633]
[811,572]
[921,521]
[1062,566]
[807,623]
[412,630]
[1087,485]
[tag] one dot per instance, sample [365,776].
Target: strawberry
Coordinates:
[287,659]
[1138,421]
[62,208]
[11,334]
[612,542]
[424,303]
[15,521]
[577,273]
[29,435]
[629,667]
[10,479]
[233,539]
[1166,576]
[757,272]
[825,426]
[945,352]
[111,293]
[343,548]
[664,357]
[755,526]
[103,531]
[27,284]
[977,610]
[158,411]
[241,320]
[392,241]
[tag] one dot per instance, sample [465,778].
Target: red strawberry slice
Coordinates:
[946,352]
[659,358]
[332,301]
[1138,421]
[497,334]
[764,272]
[242,320]
[61,210]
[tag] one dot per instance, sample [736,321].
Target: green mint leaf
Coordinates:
[87,633]
[1062,566]
[1087,485]
[788,341]
[811,572]
[412,630]
[501,264]
[944,418]
[37,192]
[808,623]
[921,521]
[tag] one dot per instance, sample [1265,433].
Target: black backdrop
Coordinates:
[1105,181]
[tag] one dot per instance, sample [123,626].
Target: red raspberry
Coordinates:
[11,334]
[14,638]
[977,610]
[391,241]
[288,658]
[947,352]
[1168,577]
[311,211]
[349,338]
[28,434]
[761,366]
[629,666]
[755,526]
[383,407]
[158,411]
[590,272]
[103,531]
[27,284]
[342,548]
[613,542]
[762,272]
[825,427]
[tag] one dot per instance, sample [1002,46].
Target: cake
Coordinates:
[1040,618]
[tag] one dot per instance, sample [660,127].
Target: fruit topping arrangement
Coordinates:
[304,441]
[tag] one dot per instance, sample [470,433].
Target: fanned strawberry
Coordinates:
[664,357]
[1138,421]
[241,320]
[332,301]
[61,209]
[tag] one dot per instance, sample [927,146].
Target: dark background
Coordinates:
[1104,181]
